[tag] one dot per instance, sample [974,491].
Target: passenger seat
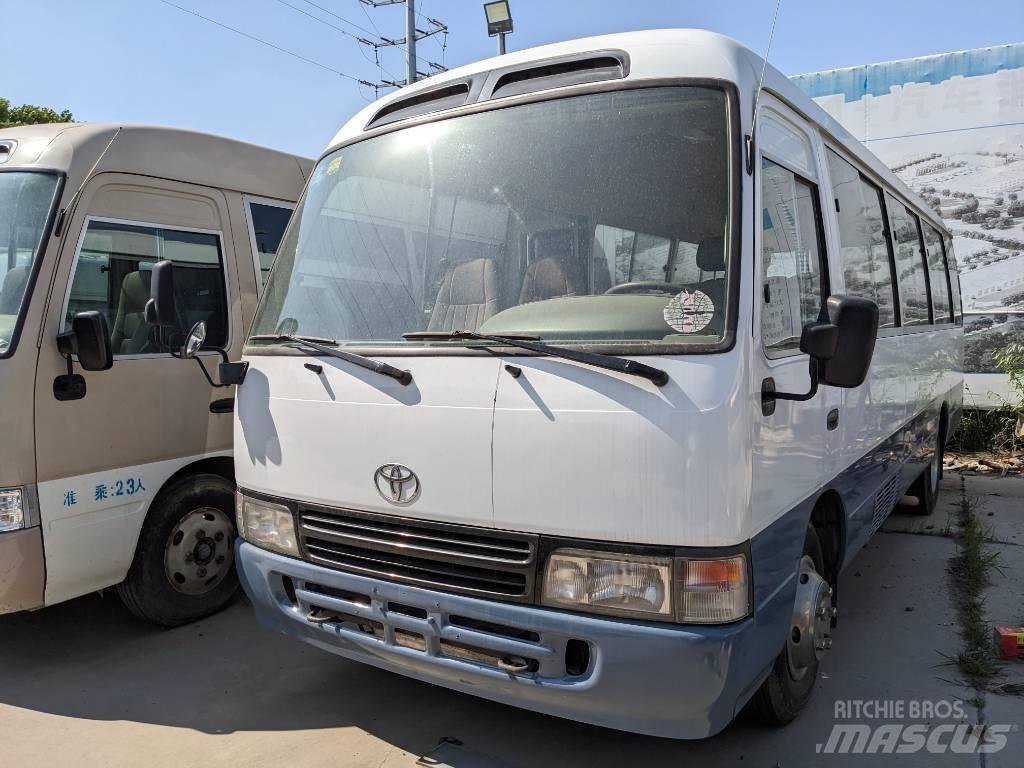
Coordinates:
[468,296]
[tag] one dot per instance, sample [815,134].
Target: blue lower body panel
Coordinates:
[658,679]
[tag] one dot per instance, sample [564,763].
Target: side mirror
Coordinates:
[195,340]
[840,350]
[89,338]
[160,307]
[857,322]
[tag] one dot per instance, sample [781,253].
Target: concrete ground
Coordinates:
[84,684]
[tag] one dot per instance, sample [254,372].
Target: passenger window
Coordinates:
[867,269]
[906,240]
[268,223]
[954,281]
[938,277]
[112,275]
[794,282]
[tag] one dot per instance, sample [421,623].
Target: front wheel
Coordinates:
[184,566]
[789,685]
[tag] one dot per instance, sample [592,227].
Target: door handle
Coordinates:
[224,405]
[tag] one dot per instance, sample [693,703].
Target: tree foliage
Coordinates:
[30,114]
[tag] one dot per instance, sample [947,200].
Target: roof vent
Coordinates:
[6,150]
[558,73]
[447,97]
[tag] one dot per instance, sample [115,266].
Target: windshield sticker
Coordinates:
[689,311]
[333,166]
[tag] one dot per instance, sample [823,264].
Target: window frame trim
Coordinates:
[219,234]
[916,327]
[250,225]
[825,276]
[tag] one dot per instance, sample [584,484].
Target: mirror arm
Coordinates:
[207,375]
[225,360]
[769,395]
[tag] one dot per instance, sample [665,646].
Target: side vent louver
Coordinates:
[561,72]
[447,97]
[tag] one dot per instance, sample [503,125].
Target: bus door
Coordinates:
[103,453]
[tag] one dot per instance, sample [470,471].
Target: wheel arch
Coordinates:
[828,518]
[213,465]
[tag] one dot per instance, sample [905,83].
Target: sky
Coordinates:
[143,61]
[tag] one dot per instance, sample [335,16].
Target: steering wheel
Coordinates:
[642,286]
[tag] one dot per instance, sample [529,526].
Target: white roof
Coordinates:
[663,53]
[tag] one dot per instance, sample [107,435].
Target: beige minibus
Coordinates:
[115,460]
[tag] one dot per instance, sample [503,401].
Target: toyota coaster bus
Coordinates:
[115,463]
[568,392]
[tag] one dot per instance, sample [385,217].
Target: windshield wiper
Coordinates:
[525,341]
[315,342]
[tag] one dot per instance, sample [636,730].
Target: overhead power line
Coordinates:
[361,42]
[269,44]
[413,34]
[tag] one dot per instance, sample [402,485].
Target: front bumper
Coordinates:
[658,679]
[22,570]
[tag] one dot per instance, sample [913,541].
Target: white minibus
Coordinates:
[569,391]
[115,463]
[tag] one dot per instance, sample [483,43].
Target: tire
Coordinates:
[781,696]
[926,487]
[184,562]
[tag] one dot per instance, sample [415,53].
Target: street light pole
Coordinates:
[501,44]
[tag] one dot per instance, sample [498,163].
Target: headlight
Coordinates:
[12,509]
[601,582]
[267,525]
[686,590]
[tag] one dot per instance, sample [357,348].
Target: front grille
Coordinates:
[443,556]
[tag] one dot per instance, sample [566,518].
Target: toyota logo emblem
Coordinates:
[397,484]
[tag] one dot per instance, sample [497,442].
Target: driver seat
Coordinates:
[12,290]
[131,335]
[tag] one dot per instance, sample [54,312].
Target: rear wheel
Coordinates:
[789,685]
[184,563]
[926,487]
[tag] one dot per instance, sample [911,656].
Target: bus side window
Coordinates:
[863,248]
[112,274]
[794,281]
[954,281]
[939,276]
[268,223]
[910,263]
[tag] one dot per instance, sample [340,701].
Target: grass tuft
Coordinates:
[971,571]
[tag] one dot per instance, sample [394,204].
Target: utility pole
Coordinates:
[408,43]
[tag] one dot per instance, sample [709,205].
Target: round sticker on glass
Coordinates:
[689,311]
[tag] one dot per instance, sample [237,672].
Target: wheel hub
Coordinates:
[809,635]
[199,552]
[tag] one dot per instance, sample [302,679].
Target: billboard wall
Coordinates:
[952,127]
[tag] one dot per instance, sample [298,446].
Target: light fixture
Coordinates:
[499,21]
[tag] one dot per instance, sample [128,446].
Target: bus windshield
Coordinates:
[25,201]
[592,219]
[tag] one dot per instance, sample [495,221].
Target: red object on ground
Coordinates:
[1010,642]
